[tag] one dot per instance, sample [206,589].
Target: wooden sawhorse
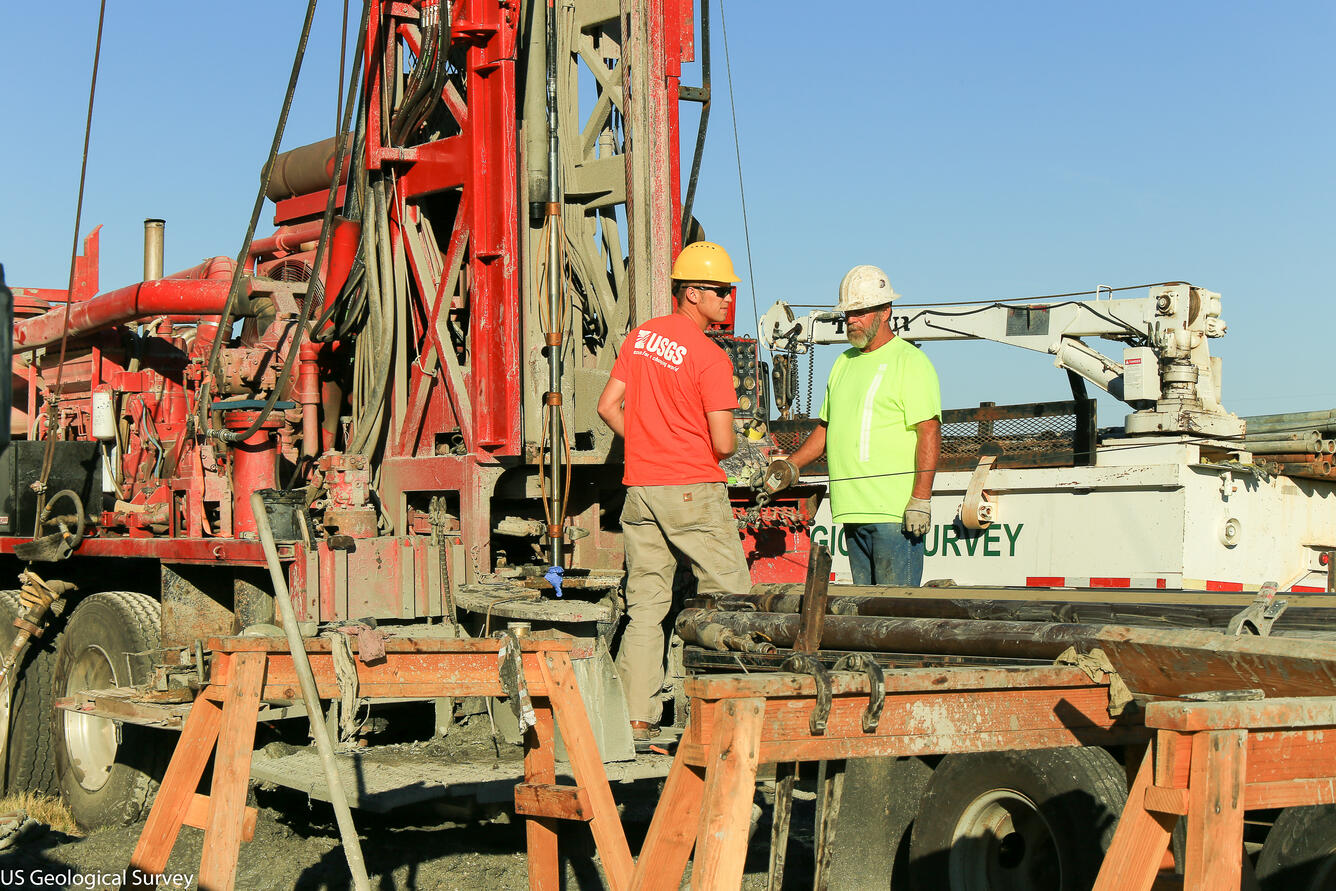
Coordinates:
[247,670]
[741,721]
[1210,762]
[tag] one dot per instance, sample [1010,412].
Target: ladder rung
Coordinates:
[556,802]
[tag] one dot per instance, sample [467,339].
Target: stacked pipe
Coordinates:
[891,623]
[1297,444]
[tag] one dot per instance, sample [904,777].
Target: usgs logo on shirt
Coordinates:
[657,345]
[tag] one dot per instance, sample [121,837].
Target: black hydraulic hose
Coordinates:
[369,421]
[689,202]
[314,294]
[423,91]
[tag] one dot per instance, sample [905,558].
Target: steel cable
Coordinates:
[234,289]
[53,400]
[314,293]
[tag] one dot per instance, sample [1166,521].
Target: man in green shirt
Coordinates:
[881,432]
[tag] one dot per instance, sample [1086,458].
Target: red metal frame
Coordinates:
[186,500]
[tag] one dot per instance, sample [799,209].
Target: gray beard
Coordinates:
[858,341]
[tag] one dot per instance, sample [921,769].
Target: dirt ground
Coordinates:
[442,844]
[296,846]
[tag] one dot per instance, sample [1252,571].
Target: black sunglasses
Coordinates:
[716,290]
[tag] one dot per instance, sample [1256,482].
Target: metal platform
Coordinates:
[388,777]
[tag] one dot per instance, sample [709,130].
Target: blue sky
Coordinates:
[972,149]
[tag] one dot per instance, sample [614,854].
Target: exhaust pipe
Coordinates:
[154,231]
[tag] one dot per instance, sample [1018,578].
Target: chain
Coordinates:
[811,374]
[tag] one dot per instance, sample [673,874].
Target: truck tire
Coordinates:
[108,772]
[871,845]
[28,711]
[1036,820]
[1300,851]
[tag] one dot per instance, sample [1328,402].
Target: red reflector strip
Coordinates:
[1045,581]
[1110,583]
[1224,586]
[1307,589]
[1161,583]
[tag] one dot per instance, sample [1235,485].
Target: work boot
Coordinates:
[643,735]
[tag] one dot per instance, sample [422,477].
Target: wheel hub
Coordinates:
[1003,843]
[90,741]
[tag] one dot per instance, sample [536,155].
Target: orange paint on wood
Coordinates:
[1273,756]
[231,773]
[1140,841]
[587,766]
[672,830]
[1167,801]
[1262,714]
[1173,757]
[540,770]
[556,802]
[730,785]
[197,816]
[177,791]
[780,684]
[1215,810]
[1289,793]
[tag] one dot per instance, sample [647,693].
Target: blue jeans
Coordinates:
[883,554]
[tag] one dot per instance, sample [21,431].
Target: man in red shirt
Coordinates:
[671,397]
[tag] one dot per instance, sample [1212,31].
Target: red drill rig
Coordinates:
[410,380]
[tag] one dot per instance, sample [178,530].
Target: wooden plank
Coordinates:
[1273,757]
[420,675]
[197,816]
[730,786]
[933,723]
[1262,714]
[231,773]
[540,770]
[551,800]
[1167,801]
[781,684]
[587,766]
[785,775]
[672,830]
[1175,662]
[1140,841]
[1173,756]
[425,645]
[1215,810]
[1290,793]
[177,791]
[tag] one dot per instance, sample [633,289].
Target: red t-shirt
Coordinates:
[674,374]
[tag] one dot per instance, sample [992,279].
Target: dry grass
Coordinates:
[43,808]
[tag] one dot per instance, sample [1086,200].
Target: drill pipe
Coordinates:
[954,637]
[1160,615]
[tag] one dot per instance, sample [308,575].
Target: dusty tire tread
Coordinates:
[1090,770]
[141,616]
[37,772]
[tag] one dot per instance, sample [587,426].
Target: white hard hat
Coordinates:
[864,287]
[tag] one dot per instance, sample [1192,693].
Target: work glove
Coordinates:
[918,516]
[781,474]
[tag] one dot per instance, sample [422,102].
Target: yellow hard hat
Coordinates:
[704,261]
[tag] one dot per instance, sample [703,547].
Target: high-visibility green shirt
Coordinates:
[873,402]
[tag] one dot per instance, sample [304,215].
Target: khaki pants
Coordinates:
[658,523]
